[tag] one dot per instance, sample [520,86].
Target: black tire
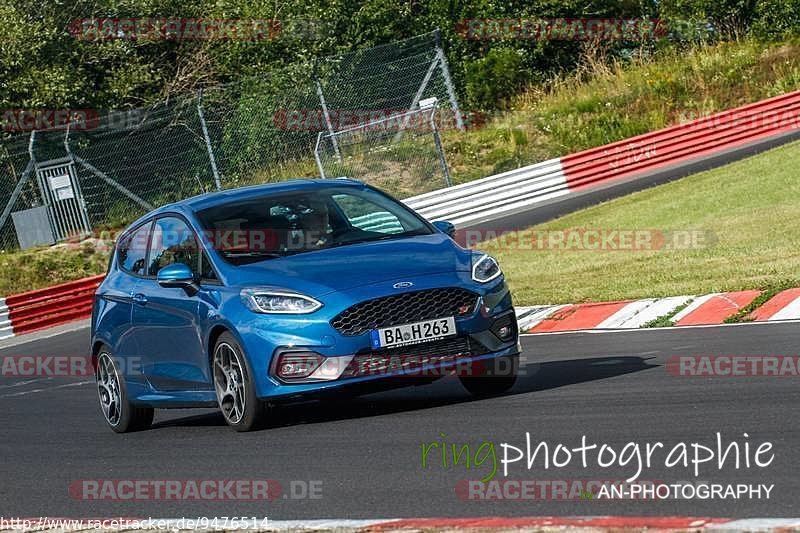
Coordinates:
[252,414]
[119,413]
[493,377]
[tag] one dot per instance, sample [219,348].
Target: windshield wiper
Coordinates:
[228,253]
[387,237]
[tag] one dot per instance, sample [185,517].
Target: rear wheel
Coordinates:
[493,377]
[120,414]
[233,383]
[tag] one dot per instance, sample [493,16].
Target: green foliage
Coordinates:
[494,77]
[43,66]
[606,101]
[43,267]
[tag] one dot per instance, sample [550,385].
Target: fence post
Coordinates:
[317,157]
[84,212]
[17,192]
[448,83]
[327,115]
[439,150]
[420,91]
[210,150]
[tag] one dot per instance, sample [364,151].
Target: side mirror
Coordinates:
[175,276]
[448,228]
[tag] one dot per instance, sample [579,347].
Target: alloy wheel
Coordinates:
[229,382]
[108,389]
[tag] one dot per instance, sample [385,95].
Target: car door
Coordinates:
[117,299]
[166,320]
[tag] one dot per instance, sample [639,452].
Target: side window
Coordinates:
[131,252]
[206,270]
[173,242]
[368,216]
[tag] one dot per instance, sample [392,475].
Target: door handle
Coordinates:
[139,298]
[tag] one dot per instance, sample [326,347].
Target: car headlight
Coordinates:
[278,302]
[485,268]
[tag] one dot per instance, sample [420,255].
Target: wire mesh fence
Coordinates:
[401,153]
[253,131]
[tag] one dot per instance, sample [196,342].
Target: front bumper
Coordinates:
[357,364]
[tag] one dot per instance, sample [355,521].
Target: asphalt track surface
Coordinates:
[612,387]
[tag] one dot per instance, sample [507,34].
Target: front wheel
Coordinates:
[120,414]
[493,377]
[233,383]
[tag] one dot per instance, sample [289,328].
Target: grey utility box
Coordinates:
[33,227]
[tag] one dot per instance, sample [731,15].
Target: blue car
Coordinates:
[304,289]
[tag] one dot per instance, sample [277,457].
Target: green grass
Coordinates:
[747,210]
[602,102]
[666,320]
[41,267]
[606,101]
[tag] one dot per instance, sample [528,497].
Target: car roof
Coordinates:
[211,199]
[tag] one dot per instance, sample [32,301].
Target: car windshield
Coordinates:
[277,225]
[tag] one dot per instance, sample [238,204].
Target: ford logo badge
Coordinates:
[403,285]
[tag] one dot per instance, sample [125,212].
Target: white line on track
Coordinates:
[789,312]
[670,328]
[34,391]
[21,383]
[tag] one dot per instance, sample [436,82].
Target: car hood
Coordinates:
[336,269]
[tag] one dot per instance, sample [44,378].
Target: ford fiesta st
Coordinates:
[242,298]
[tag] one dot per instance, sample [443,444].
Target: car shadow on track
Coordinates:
[447,391]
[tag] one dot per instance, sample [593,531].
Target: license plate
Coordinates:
[415,333]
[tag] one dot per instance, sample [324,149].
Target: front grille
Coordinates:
[414,356]
[404,308]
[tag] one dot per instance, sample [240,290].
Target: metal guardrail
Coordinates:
[381,222]
[491,197]
[666,147]
[47,307]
